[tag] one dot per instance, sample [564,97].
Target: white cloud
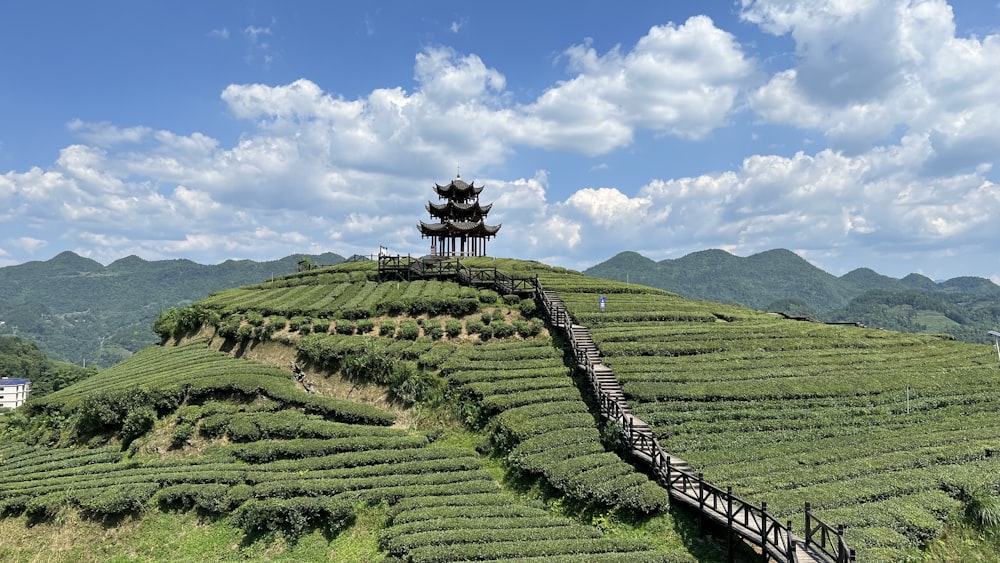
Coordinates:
[104,134]
[610,208]
[254,33]
[678,80]
[27,244]
[864,69]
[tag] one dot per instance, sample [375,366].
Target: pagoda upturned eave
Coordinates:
[467,228]
[458,191]
[452,210]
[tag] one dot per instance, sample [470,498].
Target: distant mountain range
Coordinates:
[77,310]
[780,280]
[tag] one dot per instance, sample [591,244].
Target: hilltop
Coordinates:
[77,310]
[780,280]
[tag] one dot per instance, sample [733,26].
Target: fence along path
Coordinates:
[822,543]
[754,524]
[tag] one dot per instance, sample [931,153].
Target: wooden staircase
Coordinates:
[760,530]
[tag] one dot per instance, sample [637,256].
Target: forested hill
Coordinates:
[780,280]
[19,359]
[81,311]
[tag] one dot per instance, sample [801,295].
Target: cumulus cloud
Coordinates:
[678,80]
[865,69]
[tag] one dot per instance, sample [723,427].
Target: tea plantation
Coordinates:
[328,415]
[478,446]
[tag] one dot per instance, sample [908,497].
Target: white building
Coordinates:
[13,392]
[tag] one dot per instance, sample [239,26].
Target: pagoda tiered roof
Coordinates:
[452,228]
[458,211]
[458,191]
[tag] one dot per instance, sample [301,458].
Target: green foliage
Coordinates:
[981,507]
[345,326]
[19,359]
[365,326]
[453,328]
[372,362]
[182,433]
[293,516]
[408,330]
[387,328]
[176,322]
[137,422]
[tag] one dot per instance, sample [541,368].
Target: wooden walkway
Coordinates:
[743,521]
[752,524]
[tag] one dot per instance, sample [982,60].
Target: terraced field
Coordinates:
[190,429]
[877,430]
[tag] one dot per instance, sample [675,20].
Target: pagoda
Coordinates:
[461,229]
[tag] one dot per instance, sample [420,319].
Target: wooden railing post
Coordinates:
[763,531]
[729,523]
[701,503]
[790,543]
[841,553]
[670,482]
[809,528]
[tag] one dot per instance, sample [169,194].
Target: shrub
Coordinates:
[453,328]
[297,322]
[125,498]
[488,296]
[293,516]
[434,331]
[528,329]
[408,330]
[371,363]
[278,323]
[229,327]
[475,326]
[344,326]
[528,307]
[387,328]
[511,300]
[255,318]
[137,423]
[321,326]
[502,329]
[365,326]
[182,433]
[244,333]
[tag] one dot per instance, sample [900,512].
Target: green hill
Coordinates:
[19,359]
[433,421]
[755,281]
[430,422]
[779,280]
[79,311]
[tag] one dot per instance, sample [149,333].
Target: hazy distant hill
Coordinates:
[780,280]
[78,310]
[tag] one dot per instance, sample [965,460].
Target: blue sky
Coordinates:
[857,134]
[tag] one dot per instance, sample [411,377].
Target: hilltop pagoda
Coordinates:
[461,229]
